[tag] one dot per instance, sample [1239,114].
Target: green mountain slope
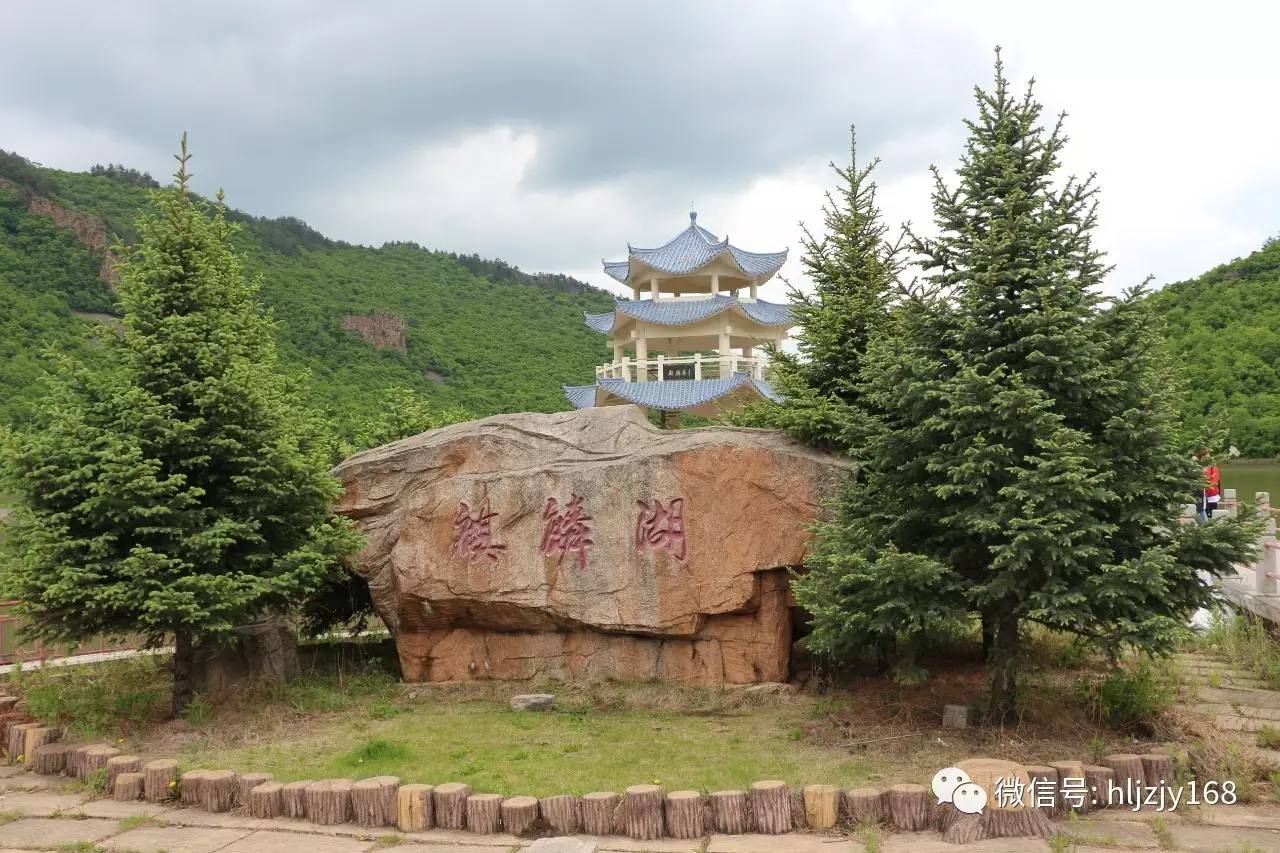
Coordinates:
[1225,330]
[476,333]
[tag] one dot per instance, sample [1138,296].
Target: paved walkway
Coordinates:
[44,814]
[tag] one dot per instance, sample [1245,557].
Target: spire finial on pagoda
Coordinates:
[693,215]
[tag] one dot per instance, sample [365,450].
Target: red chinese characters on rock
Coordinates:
[568,531]
[661,528]
[473,534]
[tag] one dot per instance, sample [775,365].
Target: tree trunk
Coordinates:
[50,758]
[863,805]
[988,636]
[1044,779]
[1157,769]
[118,764]
[1070,776]
[1130,777]
[17,739]
[294,797]
[484,814]
[159,777]
[561,813]
[414,812]
[329,801]
[640,812]
[771,807]
[192,787]
[730,812]
[519,814]
[908,807]
[821,806]
[1005,648]
[36,738]
[218,790]
[183,671]
[685,814]
[127,787]
[249,781]
[451,805]
[597,812]
[1098,781]
[373,801]
[265,800]
[95,758]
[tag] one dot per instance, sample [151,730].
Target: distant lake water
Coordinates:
[1250,476]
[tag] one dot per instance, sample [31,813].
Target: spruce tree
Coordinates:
[852,267]
[1021,444]
[173,488]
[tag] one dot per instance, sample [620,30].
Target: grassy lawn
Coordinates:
[351,718]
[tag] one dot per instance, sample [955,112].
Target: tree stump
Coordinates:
[863,805]
[560,813]
[249,781]
[451,805]
[265,800]
[329,801]
[374,801]
[1130,777]
[771,807]
[293,796]
[50,758]
[95,758]
[1098,781]
[821,806]
[17,737]
[908,807]
[639,813]
[685,814]
[158,781]
[1012,819]
[1070,778]
[1044,788]
[118,764]
[798,816]
[1157,769]
[127,787]
[730,812]
[597,812]
[519,814]
[192,787]
[35,738]
[218,790]
[484,813]
[7,702]
[414,811]
[75,759]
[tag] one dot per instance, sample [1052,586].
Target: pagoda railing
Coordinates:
[683,367]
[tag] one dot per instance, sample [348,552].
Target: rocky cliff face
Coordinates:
[89,230]
[380,331]
[586,544]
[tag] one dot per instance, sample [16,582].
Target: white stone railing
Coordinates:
[1266,564]
[662,368]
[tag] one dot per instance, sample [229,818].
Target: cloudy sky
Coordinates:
[550,134]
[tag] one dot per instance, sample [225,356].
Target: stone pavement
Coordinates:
[44,813]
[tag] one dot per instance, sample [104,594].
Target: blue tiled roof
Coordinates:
[670,396]
[692,249]
[680,312]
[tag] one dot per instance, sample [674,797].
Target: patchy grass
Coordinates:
[134,821]
[1245,642]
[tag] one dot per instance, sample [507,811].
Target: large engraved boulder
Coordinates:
[586,544]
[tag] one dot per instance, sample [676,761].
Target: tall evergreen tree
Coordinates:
[175,490]
[852,267]
[1021,455]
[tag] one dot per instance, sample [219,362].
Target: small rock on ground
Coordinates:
[533,702]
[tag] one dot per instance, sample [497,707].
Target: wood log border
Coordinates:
[643,812]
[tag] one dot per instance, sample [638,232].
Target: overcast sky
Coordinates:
[551,134]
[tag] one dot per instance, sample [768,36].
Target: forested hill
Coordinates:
[1225,330]
[458,329]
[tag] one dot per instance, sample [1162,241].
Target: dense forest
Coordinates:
[479,334]
[1224,328]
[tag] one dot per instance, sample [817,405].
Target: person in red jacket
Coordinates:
[1211,493]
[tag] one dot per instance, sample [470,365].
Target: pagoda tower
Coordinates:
[690,346]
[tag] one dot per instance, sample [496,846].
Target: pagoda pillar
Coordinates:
[642,359]
[653,288]
[635,293]
[715,284]
[724,353]
[755,286]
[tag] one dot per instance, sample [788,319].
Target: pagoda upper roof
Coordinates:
[673,395]
[691,250]
[680,312]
